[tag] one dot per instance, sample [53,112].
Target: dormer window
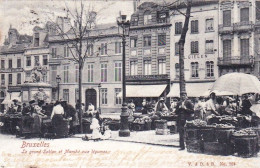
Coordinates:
[134,21]
[147,18]
[36,39]
[162,17]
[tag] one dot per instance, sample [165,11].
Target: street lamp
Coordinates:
[99,88]
[58,79]
[123,25]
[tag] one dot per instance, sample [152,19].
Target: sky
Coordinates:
[21,14]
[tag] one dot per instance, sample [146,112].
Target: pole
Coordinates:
[99,109]
[58,91]
[123,64]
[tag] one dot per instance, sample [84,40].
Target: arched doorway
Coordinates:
[91,97]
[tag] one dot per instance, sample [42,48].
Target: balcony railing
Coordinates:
[223,29]
[147,77]
[236,60]
[243,26]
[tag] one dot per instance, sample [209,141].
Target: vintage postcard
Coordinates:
[129,83]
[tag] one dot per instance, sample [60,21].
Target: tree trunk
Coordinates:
[181,48]
[80,98]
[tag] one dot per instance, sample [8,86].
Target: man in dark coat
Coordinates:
[70,111]
[184,110]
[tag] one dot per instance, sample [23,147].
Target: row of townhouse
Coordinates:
[223,37]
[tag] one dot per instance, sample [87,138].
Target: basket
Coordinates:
[217,148]
[62,130]
[161,124]
[246,146]
[207,134]
[194,146]
[147,125]
[223,135]
[86,127]
[138,126]
[192,133]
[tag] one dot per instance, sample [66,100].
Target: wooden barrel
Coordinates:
[223,135]
[246,146]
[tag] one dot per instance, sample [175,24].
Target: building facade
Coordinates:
[237,20]
[201,48]
[102,67]
[148,53]
[12,66]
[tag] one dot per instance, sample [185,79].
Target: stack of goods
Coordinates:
[228,120]
[138,124]
[161,127]
[246,142]
[147,123]
[193,137]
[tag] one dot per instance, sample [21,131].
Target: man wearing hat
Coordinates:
[184,109]
[70,112]
[160,106]
[16,106]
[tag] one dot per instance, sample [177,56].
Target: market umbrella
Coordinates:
[236,84]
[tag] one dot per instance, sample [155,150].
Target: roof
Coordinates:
[13,48]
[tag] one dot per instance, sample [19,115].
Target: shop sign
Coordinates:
[196,56]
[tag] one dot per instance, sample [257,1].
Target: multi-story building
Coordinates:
[237,52]
[148,53]
[200,51]
[103,67]
[12,63]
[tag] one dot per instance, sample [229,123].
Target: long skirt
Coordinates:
[36,127]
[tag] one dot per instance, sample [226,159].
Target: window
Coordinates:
[178,27]
[177,71]
[90,72]
[161,39]
[90,50]
[2,64]
[117,47]
[19,78]
[209,25]
[162,17]
[133,42]
[118,71]
[147,41]
[19,63]
[36,61]
[66,51]
[103,72]
[36,40]
[76,73]
[227,18]
[194,26]
[10,79]
[194,47]
[53,71]
[118,100]
[54,52]
[194,69]
[45,60]
[28,61]
[244,47]
[66,74]
[226,48]
[244,15]
[209,47]
[103,96]
[209,69]
[76,94]
[66,95]
[147,18]
[133,67]
[161,66]
[103,49]
[10,63]
[177,49]
[147,67]
[134,21]
[2,79]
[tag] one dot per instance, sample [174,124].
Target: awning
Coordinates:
[192,89]
[7,99]
[143,90]
[16,95]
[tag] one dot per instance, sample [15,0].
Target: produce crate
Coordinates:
[192,133]
[114,125]
[148,126]
[138,126]
[246,145]
[86,126]
[223,135]
[217,148]
[161,124]
[207,134]
[62,130]
[194,146]
[159,131]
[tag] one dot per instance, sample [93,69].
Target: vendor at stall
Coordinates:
[211,105]
[70,112]
[199,108]
[17,107]
[161,106]
[246,104]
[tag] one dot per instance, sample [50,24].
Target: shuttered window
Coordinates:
[244,15]
[227,18]
[194,47]
[194,26]
[226,48]
[244,46]
[178,27]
